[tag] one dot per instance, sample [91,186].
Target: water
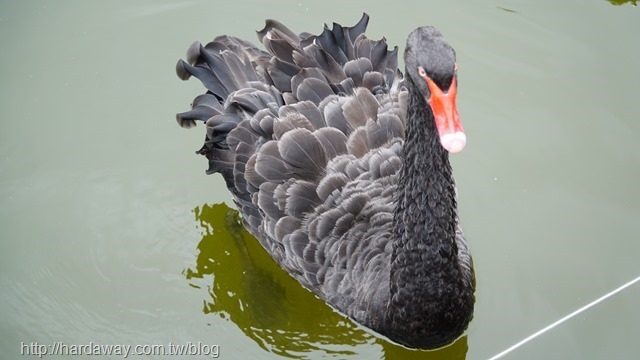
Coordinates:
[111,233]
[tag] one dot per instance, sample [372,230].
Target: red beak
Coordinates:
[445,112]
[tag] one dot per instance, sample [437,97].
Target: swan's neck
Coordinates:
[426,280]
[426,216]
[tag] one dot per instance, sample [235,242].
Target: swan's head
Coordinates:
[431,63]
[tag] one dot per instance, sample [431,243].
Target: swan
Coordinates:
[339,166]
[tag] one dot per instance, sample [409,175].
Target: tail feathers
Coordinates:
[227,68]
[204,107]
[328,57]
[339,39]
[215,147]
[282,114]
[223,66]
[274,29]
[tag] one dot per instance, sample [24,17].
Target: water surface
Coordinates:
[111,233]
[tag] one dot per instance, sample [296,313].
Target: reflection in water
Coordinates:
[273,309]
[622,2]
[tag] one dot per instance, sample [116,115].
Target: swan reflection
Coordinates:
[271,308]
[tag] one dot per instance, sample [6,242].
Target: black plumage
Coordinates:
[334,161]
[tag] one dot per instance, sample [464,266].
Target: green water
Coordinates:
[110,233]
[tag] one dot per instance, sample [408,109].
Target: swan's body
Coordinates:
[337,166]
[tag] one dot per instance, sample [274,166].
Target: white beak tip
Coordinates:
[454,142]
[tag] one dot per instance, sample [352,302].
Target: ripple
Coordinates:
[246,286]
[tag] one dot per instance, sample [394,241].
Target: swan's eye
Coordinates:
[421,71]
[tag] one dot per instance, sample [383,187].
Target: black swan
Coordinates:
[339,166]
